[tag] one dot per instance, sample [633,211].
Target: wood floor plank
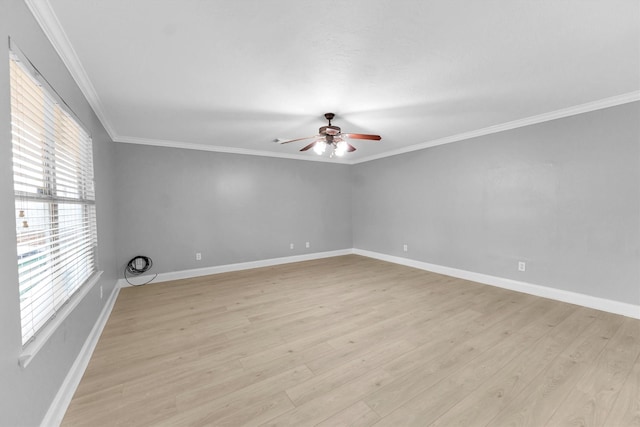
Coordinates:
[590,401]
[353,366]
[626,409]
[202,407]
[415,377]
[272,379]
[254,412]
[535,405]
[355,341]
[565,322]
[438,399]
[356,415]
[322,407]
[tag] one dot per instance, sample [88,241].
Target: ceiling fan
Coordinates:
[332,137]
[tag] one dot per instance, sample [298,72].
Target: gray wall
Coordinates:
[563,196]
[25,394]
[232,208]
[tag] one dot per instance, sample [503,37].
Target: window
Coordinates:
[54,198]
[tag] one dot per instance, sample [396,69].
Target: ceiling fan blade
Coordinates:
[308,146]
[286,141]
[363,136]
[350,148]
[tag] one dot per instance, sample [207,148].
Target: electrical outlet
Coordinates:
[405,248]
[522,266]
[198,256]
[100,291]
[290,245]
[307,244]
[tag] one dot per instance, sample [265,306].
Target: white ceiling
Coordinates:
[233,76]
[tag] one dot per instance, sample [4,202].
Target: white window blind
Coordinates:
[54,198]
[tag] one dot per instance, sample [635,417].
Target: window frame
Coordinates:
[79,202]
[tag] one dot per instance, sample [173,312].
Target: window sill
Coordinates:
[32,348]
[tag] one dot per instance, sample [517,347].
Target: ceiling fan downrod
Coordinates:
[329,117]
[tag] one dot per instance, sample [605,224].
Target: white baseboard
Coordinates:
[58,407]
[61,401]
[611,306]
[197,272]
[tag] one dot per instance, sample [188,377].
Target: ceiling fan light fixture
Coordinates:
[333,136]
[319,147]
[340,148]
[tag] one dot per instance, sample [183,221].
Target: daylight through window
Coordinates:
[54,198]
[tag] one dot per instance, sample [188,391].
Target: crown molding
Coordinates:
[222,149]
[625,98]
[527,121]
[48,21]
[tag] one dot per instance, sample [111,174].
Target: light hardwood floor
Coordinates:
[352,341]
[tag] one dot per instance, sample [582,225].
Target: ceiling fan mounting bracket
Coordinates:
[329,116]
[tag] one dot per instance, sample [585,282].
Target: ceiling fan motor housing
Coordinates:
[329,130]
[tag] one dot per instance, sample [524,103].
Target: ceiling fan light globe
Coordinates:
[319,147]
